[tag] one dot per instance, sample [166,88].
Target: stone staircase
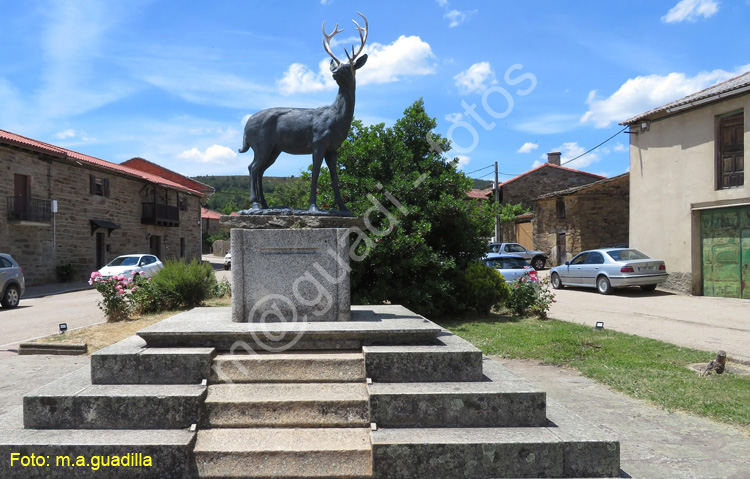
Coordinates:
[279,415]
[432,407]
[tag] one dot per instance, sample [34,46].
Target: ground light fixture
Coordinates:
[600,325]
[63,327]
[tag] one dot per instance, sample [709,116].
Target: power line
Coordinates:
[480,169]
[594,148]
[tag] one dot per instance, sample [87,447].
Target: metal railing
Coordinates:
[24,208]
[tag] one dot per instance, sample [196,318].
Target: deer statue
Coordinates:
[301,131]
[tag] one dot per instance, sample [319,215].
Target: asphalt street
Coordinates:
[699,322]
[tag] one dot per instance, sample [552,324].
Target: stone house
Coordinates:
[689,201]
[209,226]
[583,217]
[525,188]
[545,178]
[65,207]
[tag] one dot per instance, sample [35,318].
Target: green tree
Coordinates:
[418,249]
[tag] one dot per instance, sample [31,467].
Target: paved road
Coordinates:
[36,317]
[699,322]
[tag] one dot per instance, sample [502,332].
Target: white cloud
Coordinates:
[642,93]
[213,154]
[620,147]
[463,161]
[691,10]
[442,3]
[407,56]
[476,79]
[456,17]
[69,133]
[454,117]
[527,147]
[571,150]
[326,2]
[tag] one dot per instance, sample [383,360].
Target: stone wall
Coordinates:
[39,248]
[595,216]
[546,179]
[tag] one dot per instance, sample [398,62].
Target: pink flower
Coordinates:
[134,288]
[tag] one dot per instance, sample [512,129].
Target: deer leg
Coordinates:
[317,162]
[272,160]
[255,185]
[331,160]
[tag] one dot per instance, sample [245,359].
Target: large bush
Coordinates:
[424,233]
[484,287]
[183,284]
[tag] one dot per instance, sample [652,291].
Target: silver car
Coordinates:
[537,259]
[609,268]
[512,267]
[12,282]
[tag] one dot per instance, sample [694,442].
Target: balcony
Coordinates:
[27,209]
[160,215]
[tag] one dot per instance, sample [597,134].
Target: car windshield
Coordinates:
[124,261]
[626,254]
[507,263]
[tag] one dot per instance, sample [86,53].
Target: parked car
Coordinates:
[145,265]
[537,259]
[610,268]
[228,260]
[12,282]
[512,267]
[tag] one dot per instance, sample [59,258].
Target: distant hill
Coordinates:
[481,184]
[233,192]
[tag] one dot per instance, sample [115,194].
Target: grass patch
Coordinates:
[101,335]
[640,367]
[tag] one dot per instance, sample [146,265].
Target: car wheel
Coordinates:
[603,285]
[11,297]
[648,287]
[556,281]
[538,263]
[226,267]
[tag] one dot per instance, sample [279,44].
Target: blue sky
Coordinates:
[508,81]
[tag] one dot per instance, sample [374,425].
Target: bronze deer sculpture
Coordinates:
[301,131]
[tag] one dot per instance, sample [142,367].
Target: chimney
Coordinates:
[553,158]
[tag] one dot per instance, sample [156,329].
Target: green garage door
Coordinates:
[725,242]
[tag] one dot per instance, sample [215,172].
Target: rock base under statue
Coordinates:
[290,275]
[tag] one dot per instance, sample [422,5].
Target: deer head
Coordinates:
[345,72]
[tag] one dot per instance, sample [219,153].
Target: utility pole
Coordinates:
[497,203]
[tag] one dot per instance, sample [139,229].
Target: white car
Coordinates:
[129,265]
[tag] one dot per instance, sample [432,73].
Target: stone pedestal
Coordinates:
[290,268]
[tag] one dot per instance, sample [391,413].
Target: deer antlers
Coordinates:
[362,39]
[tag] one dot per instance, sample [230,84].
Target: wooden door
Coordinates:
[725,252]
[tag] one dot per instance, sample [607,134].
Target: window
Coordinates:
[580,259]
[515,248]
[730,160]
[183,202]
[595,258]
[560,206]
[99,186]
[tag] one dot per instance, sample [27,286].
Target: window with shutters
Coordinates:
[730,148]
[560,207]
[98,186]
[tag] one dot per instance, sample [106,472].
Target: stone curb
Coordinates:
[52,348]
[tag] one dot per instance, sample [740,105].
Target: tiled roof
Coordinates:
[149,167]
[575,189]
[731,87]
[210,214]
[545,165]
[479,194]
[23,142]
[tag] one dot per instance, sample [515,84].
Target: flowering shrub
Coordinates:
[530,296]
[114,302]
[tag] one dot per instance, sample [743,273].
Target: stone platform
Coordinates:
[178,393]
